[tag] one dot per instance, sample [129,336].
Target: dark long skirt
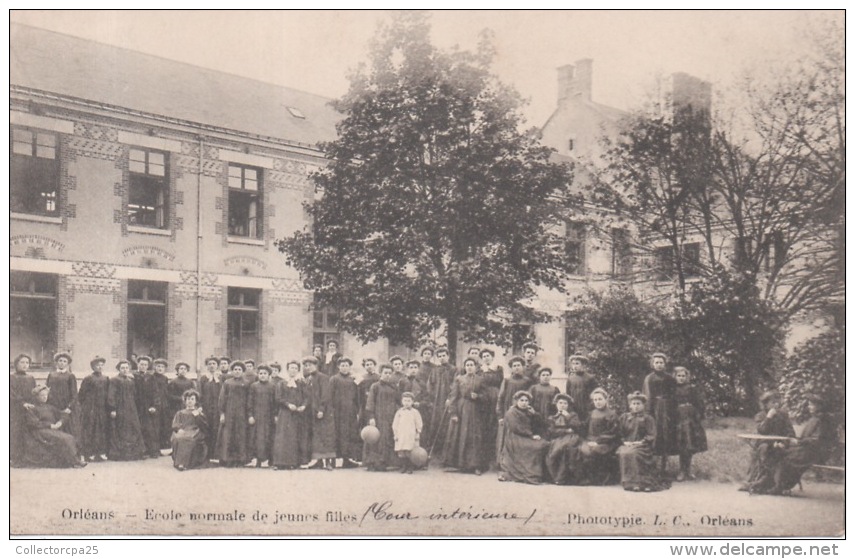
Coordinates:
[291,441]
[638,468]
[599,465]
[564,459]
[189,451]
[464,443]
[50,448]
[691,437]
[522,458]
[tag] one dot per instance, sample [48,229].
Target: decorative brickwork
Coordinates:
[173,326]
[148,251]
[245,260]
[96,149]
[37,241]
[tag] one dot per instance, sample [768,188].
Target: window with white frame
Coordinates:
[148,189]
[34,172]
[245,189]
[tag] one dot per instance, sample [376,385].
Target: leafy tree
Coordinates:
[818,367]
[437,210]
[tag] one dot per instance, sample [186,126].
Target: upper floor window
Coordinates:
[574,243]
[149,188]
[666,265]
[244,201]
[34,172]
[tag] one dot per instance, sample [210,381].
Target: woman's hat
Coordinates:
[561,396]
[191,392]
[65,354]
[636,396]
[264,368]
[97,359]
[237,363]
[578,357]
[213,358]
[39,388]
[122,361]
[310,359]
[182,363]
[520,393]
[161,361]
[516,358]
[347,360]
[144,358]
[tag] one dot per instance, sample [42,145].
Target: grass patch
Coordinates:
[728,456]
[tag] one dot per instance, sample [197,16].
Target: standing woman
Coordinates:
[126,440]
[493,376]
[233,441]
[290,441]
[465,441]
[691,437]
[21,385]
[660,390]
[94,419]
[63,392]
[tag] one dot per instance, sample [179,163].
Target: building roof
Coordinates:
[69,66]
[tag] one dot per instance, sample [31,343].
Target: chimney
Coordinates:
[689,91]
[574,81]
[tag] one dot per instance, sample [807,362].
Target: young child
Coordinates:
[126,440]
[580,384]
[291,441]
[94,418]
[233,439]
[189,428]
[344,398]
[602,439]
[564,459]
[262,416]
[659,389]
[691,437]
[407,428]
[21,385]
[637,462]
[543,393]
[383,399]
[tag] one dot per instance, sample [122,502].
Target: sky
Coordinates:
[314,50]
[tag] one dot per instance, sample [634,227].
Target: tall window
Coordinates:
[32,316]
[243,331]
[666,267]
[325,326]
[147,318]
[34,172]
[574,242]
[149,188]
[521,334]
[621,253]
[244,201]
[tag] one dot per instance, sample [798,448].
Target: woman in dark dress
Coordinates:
[598,449]
[524,449]
[465,440]
[564,459]
[813,446]
[638,433]
[126,440]
[233,441]
[21,385]
[493,376]
[659,388]
[291,441]
[773,421]
[94,418]
[63,392]
[691,436]
[46,445]
[189,432]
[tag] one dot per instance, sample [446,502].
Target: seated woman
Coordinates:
[564,459]
[812,447]
[46,445]
[523,451]
[637,463]
[772,421]
[598,449]
[189,429]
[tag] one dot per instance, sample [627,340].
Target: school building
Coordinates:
[146,196]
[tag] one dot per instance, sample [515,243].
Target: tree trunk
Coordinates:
[451,336]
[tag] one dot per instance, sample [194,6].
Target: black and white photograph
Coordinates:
[398,273]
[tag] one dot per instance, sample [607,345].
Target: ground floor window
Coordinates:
[32,316]
[244,325]
[325,326]
[147,318]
